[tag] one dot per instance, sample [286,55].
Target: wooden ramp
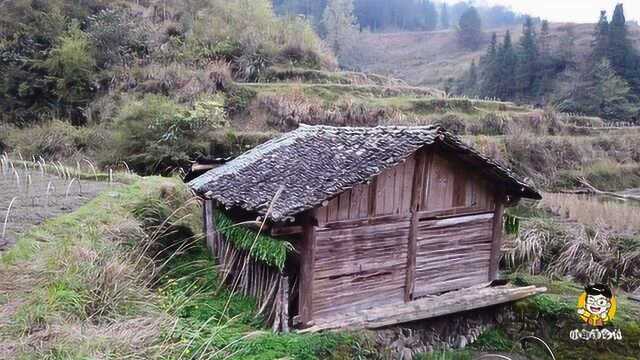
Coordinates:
[428,307]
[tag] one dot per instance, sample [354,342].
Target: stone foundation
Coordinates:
[441,333]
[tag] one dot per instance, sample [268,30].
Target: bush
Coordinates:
[238,99]
[156,135]
[57,140]
[452,123]
[71,65]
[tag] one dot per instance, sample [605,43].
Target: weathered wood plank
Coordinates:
[452,253]
[454,302]
[416,199]
[209,224]
[307,257]
[496,238]
[357,268]
[286,230]
[344,202]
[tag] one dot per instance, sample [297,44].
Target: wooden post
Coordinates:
[307,260]
[416,200]
[284,310]
[496,242]
[209,224]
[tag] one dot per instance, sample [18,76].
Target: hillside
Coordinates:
[431,58]
[128,274]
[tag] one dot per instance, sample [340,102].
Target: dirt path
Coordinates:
[35,197]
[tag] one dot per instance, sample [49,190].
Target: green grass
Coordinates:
[85,271]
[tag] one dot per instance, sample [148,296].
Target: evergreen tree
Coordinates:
[546,61]
[567,49]
[444,16]
[618,41]
[470,29]
[622,56]
[507,62]
[544,41]
[609,95]
[528,59]
[429,14]
[471,85]
[489,69]
[339,24]
[600,43]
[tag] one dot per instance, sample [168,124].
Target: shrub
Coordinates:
[238,99]
[57,140]
[156,135]
[452,123]
[71,64]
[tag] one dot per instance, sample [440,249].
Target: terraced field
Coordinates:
[31,193]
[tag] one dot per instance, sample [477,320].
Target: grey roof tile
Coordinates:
[315,163]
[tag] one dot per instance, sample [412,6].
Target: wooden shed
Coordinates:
[376,218]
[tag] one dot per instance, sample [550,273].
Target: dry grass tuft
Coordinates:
[610,214]
[289,110]
[588,254]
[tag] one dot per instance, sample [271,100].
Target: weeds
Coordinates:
[137,294]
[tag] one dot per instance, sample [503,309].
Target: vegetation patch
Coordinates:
[266,249]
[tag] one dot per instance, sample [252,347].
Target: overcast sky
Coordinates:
[568,10]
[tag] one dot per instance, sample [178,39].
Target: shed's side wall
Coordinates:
[372,246]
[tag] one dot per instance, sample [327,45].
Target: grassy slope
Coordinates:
[430,58]
[82,286]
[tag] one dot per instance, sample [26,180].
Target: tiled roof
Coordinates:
[315,163]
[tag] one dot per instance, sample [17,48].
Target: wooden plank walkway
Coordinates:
[428,307]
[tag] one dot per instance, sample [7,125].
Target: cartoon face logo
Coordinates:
[597,305]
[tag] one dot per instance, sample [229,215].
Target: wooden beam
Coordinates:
[496,241]
[377,220]
[445,304]
[450,213]
[307,264]
[416,200]
[286,230]
[209,225]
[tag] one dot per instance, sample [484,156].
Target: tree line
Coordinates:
[535,70]
[380,15]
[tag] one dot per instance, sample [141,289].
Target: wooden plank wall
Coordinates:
[359,268]
[356,251]
[453,253]
[452,185]
[389,194]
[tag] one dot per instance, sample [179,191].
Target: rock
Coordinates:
[461,342]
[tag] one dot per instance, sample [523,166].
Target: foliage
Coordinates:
[264,248]
[470,29]
[609,94]
[57,140]
[156,134]
[607,86]
[118,36]
[339,25]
